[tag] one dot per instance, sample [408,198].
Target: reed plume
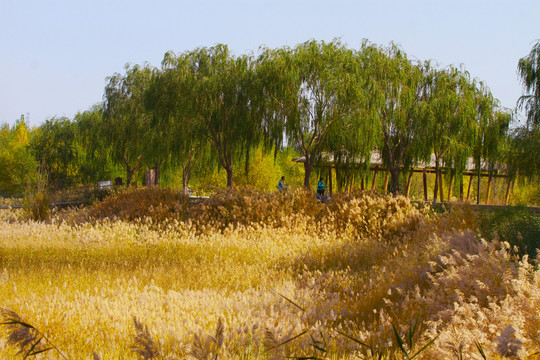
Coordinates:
[143,345]
[207,348]
[26,337]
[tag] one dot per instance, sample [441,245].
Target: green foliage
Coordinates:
[452,120]
[398,85]
[292,171]
[220,93]
[526,194]
[323,101]
[408,341]
[262,173]
[529,71]
[53,144]
[93,150]
[208,178]
[16,161]
[126,122]
[181,136]
[315,97]
[522,153]
[515,225]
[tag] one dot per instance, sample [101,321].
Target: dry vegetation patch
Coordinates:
[247,271]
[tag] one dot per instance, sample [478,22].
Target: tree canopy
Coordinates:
[16,160]
[126,122]
[529,72]
[330,104]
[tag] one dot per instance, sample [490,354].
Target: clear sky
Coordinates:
[56,54]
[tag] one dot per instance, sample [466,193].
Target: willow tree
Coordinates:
[352,140]
[308,88]
[159,142]
[450,126]
[397,89]
[94,153]
[525,141]
[126,121]
[495,135]
[492,127]
[522,153]
[53,144]
[529,71]
[223,101]
[169,99]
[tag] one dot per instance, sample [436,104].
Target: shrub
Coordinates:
[139,203]
[515,225]
[246,206]
[363,213]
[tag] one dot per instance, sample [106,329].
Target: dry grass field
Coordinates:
[250,275]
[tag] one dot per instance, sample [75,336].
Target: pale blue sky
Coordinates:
[55,55]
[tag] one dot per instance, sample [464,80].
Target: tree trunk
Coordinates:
[350,184]
[450,187]
[129,175]
[409,180]
[441,188]
[374,179]
[157,172]
[330,181]
[229,171]
[385,186]
[471,177]
[436,187]
[394,173]
[507,196]
[478,188]
[308,167]
[495,193]
[185,175]
[424,181]
[488,191]
[150,177]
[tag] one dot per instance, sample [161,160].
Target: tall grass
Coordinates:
[247,270]
[37,197]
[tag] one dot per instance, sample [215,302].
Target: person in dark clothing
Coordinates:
[320,187]
[281,185]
